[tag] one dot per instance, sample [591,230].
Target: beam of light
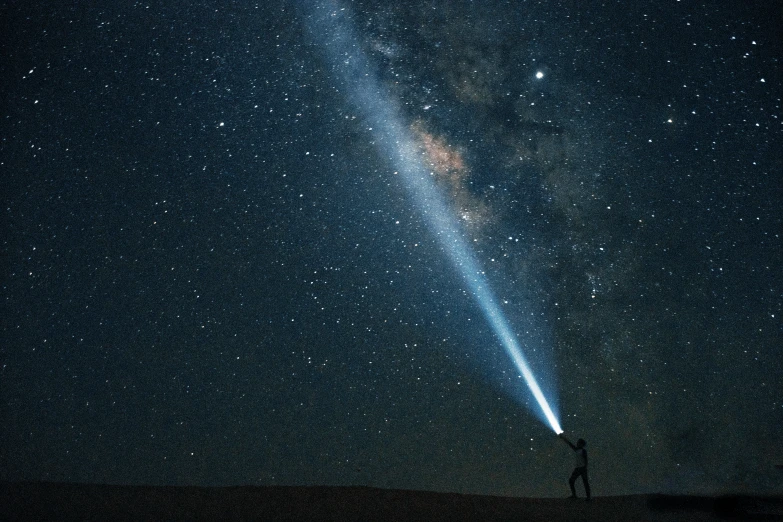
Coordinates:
[331,28]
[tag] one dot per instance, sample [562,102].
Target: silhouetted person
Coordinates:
[581,465]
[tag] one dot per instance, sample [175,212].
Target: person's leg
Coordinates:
[572,481]
[586,483]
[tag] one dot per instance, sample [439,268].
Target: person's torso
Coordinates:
[580,457]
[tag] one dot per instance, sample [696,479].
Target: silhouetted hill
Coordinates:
[61,501]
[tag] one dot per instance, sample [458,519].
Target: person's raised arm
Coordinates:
[562,436]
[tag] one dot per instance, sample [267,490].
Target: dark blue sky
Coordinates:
[212,275]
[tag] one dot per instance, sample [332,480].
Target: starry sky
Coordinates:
[214,274]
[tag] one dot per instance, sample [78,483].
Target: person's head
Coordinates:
[581,443]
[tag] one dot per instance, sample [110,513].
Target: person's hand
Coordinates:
[561,435]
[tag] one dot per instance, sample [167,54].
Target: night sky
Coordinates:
[213,272]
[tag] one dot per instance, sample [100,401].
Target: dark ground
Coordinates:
[58,501]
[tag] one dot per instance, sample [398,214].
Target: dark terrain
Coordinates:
[63,501]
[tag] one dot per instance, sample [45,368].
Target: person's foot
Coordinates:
[588,499]
[573,497]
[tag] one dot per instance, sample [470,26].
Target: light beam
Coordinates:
[331,28]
